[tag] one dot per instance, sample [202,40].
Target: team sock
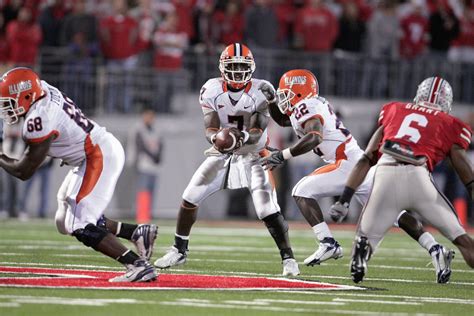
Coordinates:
[322,231]
[427,241]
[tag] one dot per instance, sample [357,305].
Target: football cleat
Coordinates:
[144,238]
[442,258]
[290,267]
[328,248]
[361,255]
[172,258]
[140,271]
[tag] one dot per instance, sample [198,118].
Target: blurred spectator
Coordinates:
[414,32]
[51,19]
[462,49]
[316,27]
[11,9]
[170,44]
[3,45]
[145,151]
[384,31]
[79,21]
[351,29]
[119,37]
[229,24]
[23,37]
[205,28]
[444,27]
[383,46]
[147,20]
[261,25]
[79,35]
[42,175]
[285,12]
[184,9]
[13,146]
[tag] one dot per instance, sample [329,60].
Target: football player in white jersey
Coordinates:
[236,101]
[319,129]
[53,126]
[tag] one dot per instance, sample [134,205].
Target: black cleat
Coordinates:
[359,259]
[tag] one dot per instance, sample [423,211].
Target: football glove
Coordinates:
[338,211]
[268,91]
[274,160]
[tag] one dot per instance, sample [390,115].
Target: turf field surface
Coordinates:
[398,282]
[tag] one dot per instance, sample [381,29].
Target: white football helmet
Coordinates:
[435,92]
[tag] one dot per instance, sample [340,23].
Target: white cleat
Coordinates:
[290,267]
[328,248]
[172,258]
[442,258]
[140,271]
[144,238]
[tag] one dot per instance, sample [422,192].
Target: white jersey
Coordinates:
[337,141]
[56,114]
[236,108]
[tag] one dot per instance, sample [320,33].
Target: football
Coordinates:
[225,140]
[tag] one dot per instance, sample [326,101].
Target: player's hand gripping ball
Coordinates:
[228,140]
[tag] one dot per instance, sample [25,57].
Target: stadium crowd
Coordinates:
[121,30]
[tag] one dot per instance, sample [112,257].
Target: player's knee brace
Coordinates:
[90,235]
[277,226]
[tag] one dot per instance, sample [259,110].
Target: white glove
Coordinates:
[338,211]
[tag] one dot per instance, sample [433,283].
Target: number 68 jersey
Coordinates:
[236,108]
[56,114]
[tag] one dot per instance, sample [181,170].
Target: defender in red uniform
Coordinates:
[413,138]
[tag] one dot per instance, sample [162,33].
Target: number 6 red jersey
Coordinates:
[428,132]
[56,114]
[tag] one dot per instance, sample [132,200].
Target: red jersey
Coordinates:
[428,132]
[318,27]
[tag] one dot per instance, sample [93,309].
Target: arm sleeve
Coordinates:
[206,99]
[462,134]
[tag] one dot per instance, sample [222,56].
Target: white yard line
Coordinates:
[348,300]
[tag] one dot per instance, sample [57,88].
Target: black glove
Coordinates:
[274,160]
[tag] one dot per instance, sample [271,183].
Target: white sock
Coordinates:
[322,231]
[427,241]
[182,237]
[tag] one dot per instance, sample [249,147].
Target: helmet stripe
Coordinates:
[238,49]
[434,90]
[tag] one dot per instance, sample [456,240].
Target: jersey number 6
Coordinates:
[412,132]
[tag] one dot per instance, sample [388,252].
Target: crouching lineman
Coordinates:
[319,129]
[54,126]
[233,101]
[413,138]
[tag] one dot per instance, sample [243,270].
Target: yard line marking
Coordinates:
[414,298]
[348,300]
[299,302]
[283,309]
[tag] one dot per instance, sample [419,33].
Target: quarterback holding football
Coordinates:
[235,117]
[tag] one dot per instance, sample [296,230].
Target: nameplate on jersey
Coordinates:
[403,153]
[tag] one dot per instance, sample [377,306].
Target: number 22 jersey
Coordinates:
[427,131]
[56,114]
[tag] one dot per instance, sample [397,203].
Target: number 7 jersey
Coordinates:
[428,132]
[56,114]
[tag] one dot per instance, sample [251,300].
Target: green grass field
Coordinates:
[398,282]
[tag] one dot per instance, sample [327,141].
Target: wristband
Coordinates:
[246,136]
[346,195]
[286,154]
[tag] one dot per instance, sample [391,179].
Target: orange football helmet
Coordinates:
[19,89]
[236,65]
[296,85]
